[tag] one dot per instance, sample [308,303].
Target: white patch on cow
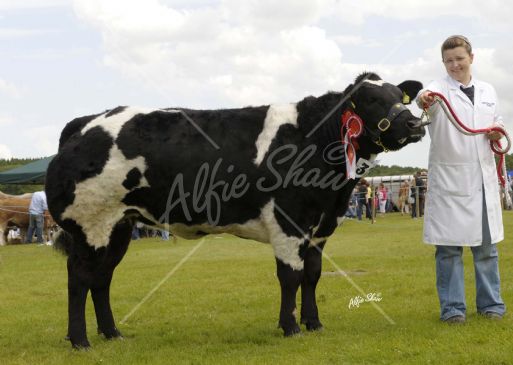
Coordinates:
[114,123]
[286,248]
[98,206]
[264,229]
[277,115]
[376,82]
[252,229]
[340,220]
[314,241]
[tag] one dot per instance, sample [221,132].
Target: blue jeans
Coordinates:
[450,279]
[359,209]
[36,222]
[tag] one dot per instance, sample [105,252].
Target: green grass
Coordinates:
[222,305]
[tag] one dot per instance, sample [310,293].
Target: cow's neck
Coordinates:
[320,118]
[329,128]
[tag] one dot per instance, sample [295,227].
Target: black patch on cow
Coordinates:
[303,248]
[133,178]
[115,111]
[81,157]
[74,128]
[174,150]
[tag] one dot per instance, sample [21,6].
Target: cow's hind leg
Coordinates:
[77,295]
[312,273]
[290,280]
[100,287]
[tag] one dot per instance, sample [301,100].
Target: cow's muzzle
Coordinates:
[416,128]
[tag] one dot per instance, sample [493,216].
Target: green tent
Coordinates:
[32,173]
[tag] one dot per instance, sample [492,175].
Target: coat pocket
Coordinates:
[452,179]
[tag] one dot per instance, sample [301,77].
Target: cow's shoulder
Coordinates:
[75,126]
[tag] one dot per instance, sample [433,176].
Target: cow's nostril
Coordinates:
[416,128]
[414,123]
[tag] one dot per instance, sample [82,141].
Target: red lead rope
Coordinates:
[494,145]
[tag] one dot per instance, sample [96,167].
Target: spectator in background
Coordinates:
[404,190]
[164,234]
[361,198]
[421,188]
[382,198]
[351,208]
[370,203]
[413,199]
[136,233]
[37,210]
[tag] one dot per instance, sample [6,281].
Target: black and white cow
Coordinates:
[276,174]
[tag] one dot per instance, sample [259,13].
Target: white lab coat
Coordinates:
[459,167]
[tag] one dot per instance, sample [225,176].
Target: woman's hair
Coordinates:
[457,41]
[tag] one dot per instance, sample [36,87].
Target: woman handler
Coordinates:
[462,203]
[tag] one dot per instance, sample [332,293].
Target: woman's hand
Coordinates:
[494,135]
[426,99]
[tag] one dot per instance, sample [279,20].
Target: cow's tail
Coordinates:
[62,242]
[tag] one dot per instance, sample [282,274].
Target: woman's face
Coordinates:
[457,62]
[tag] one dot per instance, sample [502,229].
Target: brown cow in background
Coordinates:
[14,212]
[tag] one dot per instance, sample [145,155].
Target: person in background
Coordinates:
[37,210]
[413,199]
[370,203]
[136,233]
[382,198]
[462,202]
[420,186]
[361,198]
[351,208]
[164,234]
[403,197]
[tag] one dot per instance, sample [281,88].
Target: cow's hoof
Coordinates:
[111,333]
[80,345]
[312,324]
[291,331]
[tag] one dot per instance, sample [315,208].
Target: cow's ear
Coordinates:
[410,88]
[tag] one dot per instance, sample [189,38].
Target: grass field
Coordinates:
[221,306]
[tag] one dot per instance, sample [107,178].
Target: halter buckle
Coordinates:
[384,124]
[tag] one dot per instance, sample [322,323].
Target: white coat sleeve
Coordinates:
[434,86]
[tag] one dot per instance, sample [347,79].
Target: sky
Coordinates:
[61,59]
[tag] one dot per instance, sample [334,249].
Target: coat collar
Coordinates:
[455,87]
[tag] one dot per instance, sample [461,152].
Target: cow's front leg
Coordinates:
[313,268]
[290,279]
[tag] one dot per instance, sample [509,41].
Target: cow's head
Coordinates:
[381,106]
